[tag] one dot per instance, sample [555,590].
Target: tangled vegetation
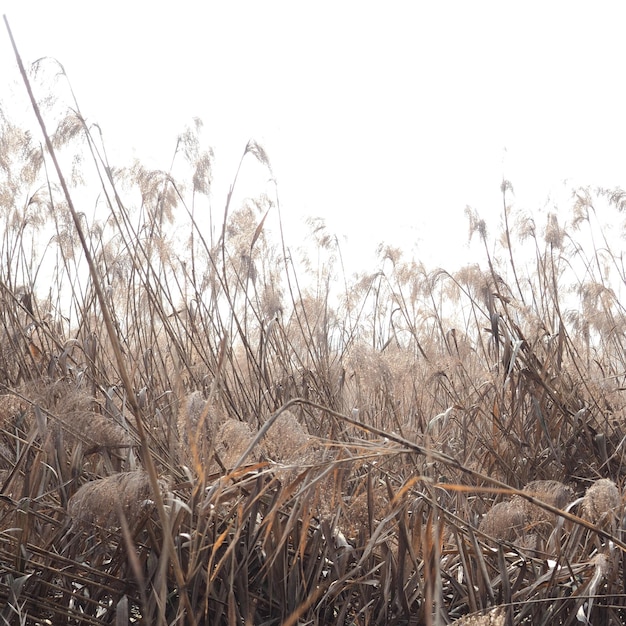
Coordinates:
[196,427]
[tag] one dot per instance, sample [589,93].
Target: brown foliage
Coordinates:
[402,397]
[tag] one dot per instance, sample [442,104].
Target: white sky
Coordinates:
[385,118]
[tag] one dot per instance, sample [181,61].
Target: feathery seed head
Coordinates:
[602,502]
[504,521]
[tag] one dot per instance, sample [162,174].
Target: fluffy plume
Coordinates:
[287,439]
[520,520]
[97,431]
[492,617]
[504,521]
[602,502]
[232,440]
[11,407]
[196,429]
[100,502]
[551,492]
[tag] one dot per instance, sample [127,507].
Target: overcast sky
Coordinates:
[385,118]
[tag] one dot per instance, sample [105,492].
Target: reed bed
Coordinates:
[197,426]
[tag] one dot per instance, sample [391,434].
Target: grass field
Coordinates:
[199,426]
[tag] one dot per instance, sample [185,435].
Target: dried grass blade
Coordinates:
[484,582]
[121,612]
[505,582]
[467,572]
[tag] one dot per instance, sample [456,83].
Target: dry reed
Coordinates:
[392,404]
